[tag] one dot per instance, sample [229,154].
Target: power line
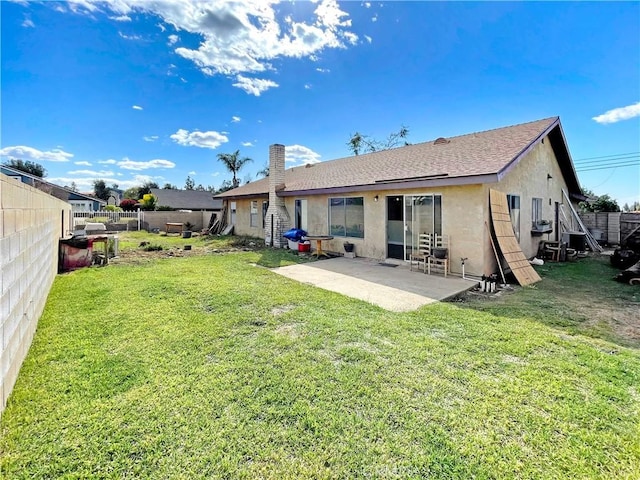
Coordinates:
[607,156]
[590,168]
[608,160]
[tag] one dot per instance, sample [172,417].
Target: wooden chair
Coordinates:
[422,252]
[438,259]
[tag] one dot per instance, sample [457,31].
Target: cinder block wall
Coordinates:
[159,219]
[31,223]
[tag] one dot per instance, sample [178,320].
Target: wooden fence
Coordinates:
[612,228]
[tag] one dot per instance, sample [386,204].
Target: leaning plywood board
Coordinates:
[511,251]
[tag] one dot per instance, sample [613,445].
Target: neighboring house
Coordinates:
[187,199]
[80,202]
[381,201]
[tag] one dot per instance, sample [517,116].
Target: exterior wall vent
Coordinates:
[441,141]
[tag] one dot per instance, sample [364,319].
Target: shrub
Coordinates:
[128,205]
[112,208]
[165,208]
[148,202]
[152,248]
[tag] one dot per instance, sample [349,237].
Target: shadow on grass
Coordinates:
[279,257]
[578,297]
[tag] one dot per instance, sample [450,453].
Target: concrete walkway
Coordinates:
[393,288]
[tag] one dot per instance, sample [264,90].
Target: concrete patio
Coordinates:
[390,286]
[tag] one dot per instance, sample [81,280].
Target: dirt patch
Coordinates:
[290,330]
[275,311]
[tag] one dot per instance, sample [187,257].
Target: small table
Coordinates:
[169,226]
[319,238]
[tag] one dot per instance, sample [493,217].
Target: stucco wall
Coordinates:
[465,213]
[31,224]
[242,225]
[529,179]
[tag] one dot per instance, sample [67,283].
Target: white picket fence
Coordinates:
[81,218]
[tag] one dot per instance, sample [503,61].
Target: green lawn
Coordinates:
[214,367]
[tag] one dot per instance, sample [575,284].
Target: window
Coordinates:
[265,207]
[513,201]
[346,217]
[536,210]
[301,214]
[253,217]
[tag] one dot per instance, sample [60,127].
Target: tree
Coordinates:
[359,143]
[200,188]
[226,185]
[100,190]
[146,188]
[634,207]
[234,163]
[595,203]
[168,186]
[27,167]
[264,172]
[148,202]
[189,184]
[74,187]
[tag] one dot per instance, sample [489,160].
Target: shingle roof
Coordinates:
[471,155]
[61,193]
[186,199]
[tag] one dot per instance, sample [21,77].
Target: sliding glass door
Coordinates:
[421,214]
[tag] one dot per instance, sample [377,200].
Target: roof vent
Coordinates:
[308,165]
[441,141]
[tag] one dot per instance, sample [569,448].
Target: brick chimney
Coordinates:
[278,220]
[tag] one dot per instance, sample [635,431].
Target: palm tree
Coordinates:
[234,163]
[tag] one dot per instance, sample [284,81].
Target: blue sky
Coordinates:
[136,90]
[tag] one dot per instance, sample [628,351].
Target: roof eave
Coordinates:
[400,185]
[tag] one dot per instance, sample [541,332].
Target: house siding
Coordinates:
[465,212]
[529,180]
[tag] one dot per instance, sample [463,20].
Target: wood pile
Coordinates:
[218,223]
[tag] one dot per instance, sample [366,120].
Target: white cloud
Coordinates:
[28,23]
[150,138]
[107,162]
[619,114]
[374,18]
[235,119]
[121,18]
[33,154]
[215,174]
[368,38]
[254,86]
[307,86]
[210,139]
[301,154]
[239,37]
[137,107]
[192,172]
[322,70]
[127,164]
[92,173]
[83,164]
[85,183]
[173,39]
[367,4]
[129,37]
[247,144]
